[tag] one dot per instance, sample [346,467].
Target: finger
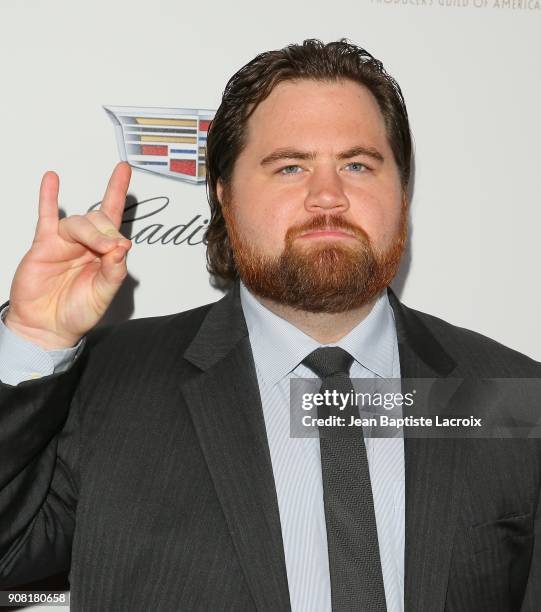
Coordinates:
[48,205]
[79,230]
[115,195]
[112,272]
[106,226]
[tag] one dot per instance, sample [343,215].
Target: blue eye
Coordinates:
[357,166]
[289,169]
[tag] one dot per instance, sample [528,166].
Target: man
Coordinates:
[156,461]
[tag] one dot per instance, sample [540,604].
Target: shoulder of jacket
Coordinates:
[182,325]
[461,342]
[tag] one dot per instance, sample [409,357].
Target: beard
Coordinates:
[323,276]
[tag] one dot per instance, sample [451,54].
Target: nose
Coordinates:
[326,192]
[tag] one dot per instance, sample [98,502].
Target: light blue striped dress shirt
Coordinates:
[278,348]
[21,360]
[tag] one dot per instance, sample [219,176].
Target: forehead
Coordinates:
[320,114]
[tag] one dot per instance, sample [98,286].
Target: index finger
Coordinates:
[115,195]
[48,205]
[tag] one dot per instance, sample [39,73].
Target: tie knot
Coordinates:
[327,361]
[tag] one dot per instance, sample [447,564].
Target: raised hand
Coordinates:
[68,278]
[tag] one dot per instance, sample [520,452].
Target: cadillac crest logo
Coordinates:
[170,141]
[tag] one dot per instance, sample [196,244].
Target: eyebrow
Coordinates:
[287,153]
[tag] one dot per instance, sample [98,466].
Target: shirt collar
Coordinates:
[278,346]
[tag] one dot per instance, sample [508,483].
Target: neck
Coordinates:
[324,327]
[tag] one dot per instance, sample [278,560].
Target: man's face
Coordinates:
[315,209]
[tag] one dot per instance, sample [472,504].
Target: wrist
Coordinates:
[47,340]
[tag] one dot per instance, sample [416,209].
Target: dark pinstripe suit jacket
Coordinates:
[145,469]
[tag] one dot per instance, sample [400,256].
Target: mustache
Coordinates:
[329,222]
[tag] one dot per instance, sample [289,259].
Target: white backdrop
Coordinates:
[469,72]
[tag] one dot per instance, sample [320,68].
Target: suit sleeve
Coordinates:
[39,451]
[532,598]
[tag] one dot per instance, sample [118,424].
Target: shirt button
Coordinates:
[36,375]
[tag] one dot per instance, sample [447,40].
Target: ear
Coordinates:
[220,191]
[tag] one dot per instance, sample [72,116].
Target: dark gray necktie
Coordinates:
[354,561]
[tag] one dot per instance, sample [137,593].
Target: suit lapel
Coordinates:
[225,406]
[433,476]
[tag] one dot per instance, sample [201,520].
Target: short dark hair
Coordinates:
[254,82]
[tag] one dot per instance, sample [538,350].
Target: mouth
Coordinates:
[326,233]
